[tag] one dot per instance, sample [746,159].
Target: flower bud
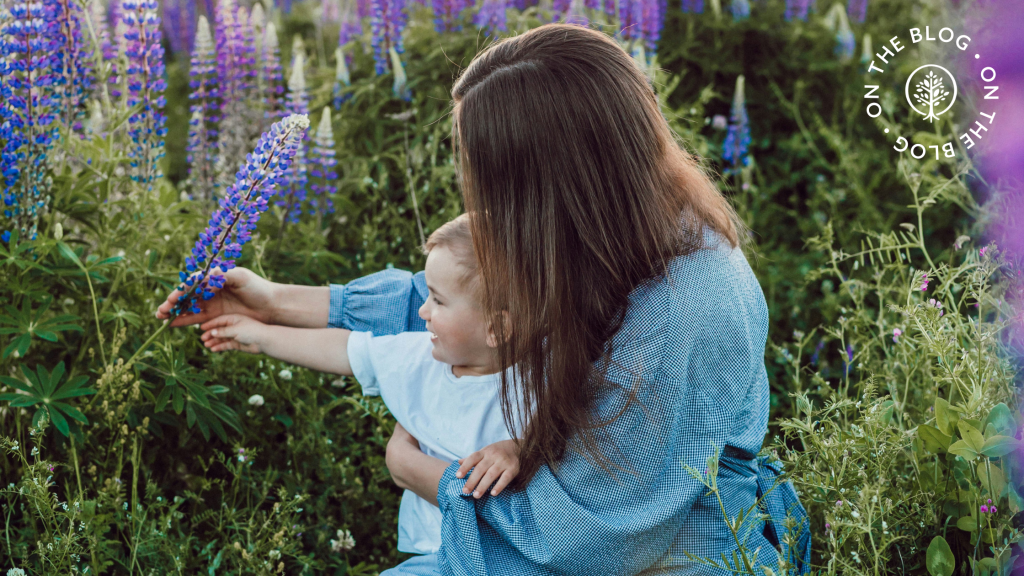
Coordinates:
[58,231]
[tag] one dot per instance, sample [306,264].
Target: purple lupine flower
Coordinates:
[235,71]
[559,8]
[113,13]
[203,107]
[740,9]
[350,26]
[322,165]
[577,15]
[180,24]
[693,6]
[858,10]
[341,79]
[100,25]
[232,224]
[269,77]
[31,45]
[651,21]
[73,72]
[491,18]
[146,87]
[363,8]
[285,6]
[737,139]
[798,9]
[388,19]
[896,333]
[630,18]
[447,14]
[293,192]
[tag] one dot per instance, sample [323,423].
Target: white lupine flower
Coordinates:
[15,572]
[256,400]
[344,543]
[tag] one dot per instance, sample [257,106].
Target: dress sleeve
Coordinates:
[385,302]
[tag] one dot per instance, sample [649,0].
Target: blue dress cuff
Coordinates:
[336,310]
[450,487]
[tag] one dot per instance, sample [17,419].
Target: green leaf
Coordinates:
[58,420]
[24,401]
[72,412]
[68,253]
[1002,418]
[999,446]
[934,440]
[284,419]
[55,377]
[940,561]
[962,449]
[161,400]
[14,382]
[965,523]
[971,436]
[945,417]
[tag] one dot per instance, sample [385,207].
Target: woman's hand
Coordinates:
[235,332]
[496,464]
[244,293]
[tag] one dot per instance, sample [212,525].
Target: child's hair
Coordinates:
[455,235]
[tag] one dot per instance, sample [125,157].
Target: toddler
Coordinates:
[443,385]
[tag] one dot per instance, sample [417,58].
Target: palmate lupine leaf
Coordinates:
[44,387]
[27,324]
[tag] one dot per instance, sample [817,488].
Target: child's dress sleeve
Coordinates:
[386,302]
[362,364]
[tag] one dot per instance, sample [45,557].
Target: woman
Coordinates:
[613,268]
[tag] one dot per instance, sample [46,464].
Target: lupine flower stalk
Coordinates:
[631,18]
[235,72]
[737,140]
[350,25]
[858,10]
[492,16]
[180,24]
[31,54]
[101,27]
[269,77]
[836,21]
[798,9]
[293,192]
[363,8]
[341,79]
[400,88]
[693,6]
[447,14]
[740,9]
[146,87]
[576,14]
[73,74]
[652,18]
[322,164]
[867,52]
[202,134]
[388,19]
[232,224]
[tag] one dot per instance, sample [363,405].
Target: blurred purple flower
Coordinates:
[491,18]
[737,140]
[293,192]
[388,19]
[146,85]
[740,9]
[857,10]
[72,66]
[322,164]
[447,14]
[693,6]
[203,108]
[180,24]
[798,9]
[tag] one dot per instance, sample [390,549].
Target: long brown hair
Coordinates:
[579,192]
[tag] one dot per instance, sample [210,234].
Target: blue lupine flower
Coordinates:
[31,44]
[858,10]
[146,87]
[388,19]
[180,24]
[491,18]
[693,6]
[322,164]
[447,14]
[341,79]
[737,140]
[72,70]
[350,26]
[740,9]
[293,192]
[798,9]
[202,133]
[817,351]
[232,224]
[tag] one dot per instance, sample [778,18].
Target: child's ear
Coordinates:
[492,338]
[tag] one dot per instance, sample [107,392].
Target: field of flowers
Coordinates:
[309,141]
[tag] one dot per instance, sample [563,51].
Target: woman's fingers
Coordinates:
[506,478]
[474,479]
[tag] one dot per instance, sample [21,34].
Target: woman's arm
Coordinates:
[410,468]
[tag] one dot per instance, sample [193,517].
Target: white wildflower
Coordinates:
[339,383]
[344,543]
[15,572]
[285,374]
[256,400]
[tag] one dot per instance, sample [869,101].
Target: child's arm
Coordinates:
[323,349]
[496,464]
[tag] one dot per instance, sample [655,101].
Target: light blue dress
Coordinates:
[696,338]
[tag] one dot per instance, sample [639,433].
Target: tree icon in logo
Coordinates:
[931,91]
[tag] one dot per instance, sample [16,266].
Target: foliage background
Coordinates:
[177,469]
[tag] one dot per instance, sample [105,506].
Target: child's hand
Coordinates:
[234,332]
[496,464]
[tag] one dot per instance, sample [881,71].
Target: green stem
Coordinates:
[96,315]
[146,344]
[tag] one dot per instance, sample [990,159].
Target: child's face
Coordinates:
[459,331]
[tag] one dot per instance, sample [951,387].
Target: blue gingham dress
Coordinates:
[696,338]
